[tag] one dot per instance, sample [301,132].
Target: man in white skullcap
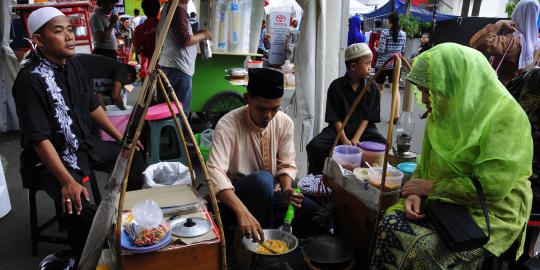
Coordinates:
[55,106]
[341,95]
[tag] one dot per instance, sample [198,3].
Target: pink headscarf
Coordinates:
[525,16]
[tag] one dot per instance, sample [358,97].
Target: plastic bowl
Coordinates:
[394,177]
[348,156]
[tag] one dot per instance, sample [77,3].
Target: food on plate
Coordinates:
[277,245]
[151,236]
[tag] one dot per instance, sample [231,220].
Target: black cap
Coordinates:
[265,83]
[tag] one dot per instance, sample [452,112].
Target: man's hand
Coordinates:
[290,196]
[205,33]
[418,187]
[71,197]
[355,141]
[249,226]
[113,19]
[412,207]
[506,25]
[345,141]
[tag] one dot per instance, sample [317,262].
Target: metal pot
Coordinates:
[272,234]
[328,252]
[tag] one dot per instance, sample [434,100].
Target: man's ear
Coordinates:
[37,39]
[353,66]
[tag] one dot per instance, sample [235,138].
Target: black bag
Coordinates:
[456,226]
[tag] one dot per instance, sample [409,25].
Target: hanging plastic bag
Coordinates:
[207,137]
[166,174]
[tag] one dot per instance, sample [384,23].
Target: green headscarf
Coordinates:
[476,128]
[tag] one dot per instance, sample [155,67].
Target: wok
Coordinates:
[327,252]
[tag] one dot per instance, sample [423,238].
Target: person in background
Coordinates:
[514,42]
[355,34]
[126,32]
[425,43]
[177,58]
[194,21]
[144,40]
[107,77]
[136,20]
[373,43]
[291,41]
[102,24]
[474,129]
[523,53]
[264,42]
[341,95]
[252,149]
[55,107]
[392,41]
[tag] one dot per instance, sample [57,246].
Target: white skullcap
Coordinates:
[356,50]
[40,17]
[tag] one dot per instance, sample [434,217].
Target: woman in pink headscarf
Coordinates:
[513,42]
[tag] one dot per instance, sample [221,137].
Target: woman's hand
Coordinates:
[412,207]
[418,187]
[507,25]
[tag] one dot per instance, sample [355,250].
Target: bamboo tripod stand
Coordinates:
[398,61]
[116,189]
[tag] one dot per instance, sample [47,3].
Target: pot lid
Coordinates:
[328,250]
[191,227]
[372,146]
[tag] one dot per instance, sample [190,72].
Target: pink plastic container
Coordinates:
[119,119]
[160,111]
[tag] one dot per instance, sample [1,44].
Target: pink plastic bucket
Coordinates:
[119,119]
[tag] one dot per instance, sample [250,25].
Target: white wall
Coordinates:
[488,8]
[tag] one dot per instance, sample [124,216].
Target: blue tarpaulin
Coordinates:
[423,15]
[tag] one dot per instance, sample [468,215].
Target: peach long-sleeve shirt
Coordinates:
[240,148]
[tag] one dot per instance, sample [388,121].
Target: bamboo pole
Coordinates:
[179,127]
[209,183]
[143,103]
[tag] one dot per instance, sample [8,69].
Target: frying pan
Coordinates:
[326,250]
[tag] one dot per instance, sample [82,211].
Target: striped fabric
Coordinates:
[387,47]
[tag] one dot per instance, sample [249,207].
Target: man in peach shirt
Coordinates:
[253,146]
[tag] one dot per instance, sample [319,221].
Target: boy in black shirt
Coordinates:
[341,95]
[55,106]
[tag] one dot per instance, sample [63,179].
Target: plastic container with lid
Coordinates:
[394,177]
[119,119]
[348,156]
[373,152]
[254,64]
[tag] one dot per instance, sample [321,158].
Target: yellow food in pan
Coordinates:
[277,245]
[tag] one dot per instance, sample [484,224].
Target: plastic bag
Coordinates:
[166,174]
[206,138]
[151,228]
[147,214]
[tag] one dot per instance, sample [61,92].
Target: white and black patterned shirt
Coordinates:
[54,103]
[388,47]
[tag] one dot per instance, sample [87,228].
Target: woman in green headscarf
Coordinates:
[474,128]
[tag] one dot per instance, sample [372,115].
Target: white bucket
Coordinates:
[119,119]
